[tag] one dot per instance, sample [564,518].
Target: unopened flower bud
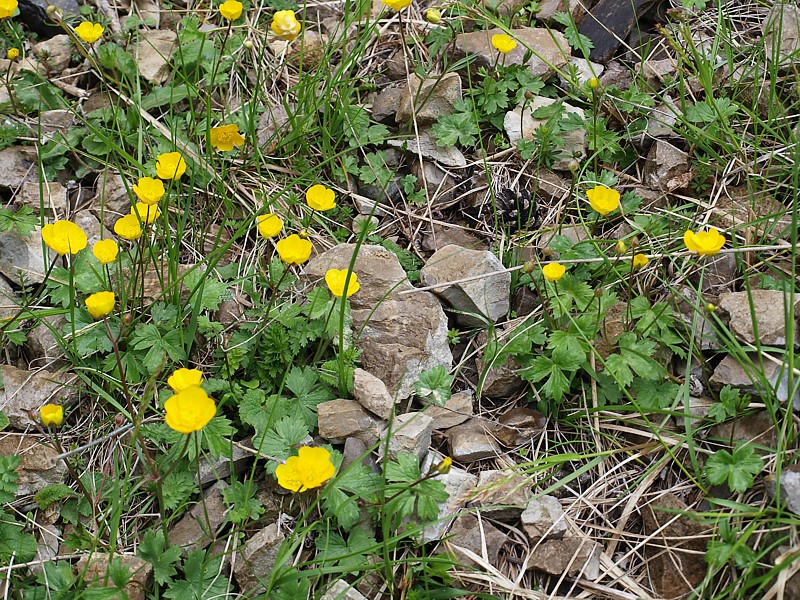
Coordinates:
[248,44]
[528,267]
[621,247]
[119,420]
[711,307]
[598,293]
[303,234]
[127,318]
[528,95]
[593,83]
[433,16]
[443,468]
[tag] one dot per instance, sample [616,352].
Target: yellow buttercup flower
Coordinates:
[285,25]
[294,250]
[639,260]
[621,247]
[321,198]
[336,278]
[553,271]
[311,468]
[64,237]
[147,213]
[226,137]
[105,251]
[189,410]
[503,43]
[704,242]
[128,228]
[593,83]
[51,414]
[89,32]
[398,5]
[12,54]
[149,190]
[100,304]
[170,165]
[231,9]
[602,199]
[269,225]
[7,8]
[183,379]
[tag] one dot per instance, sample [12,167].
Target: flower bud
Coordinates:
[127,318]
[593,83]
[443,468]
[528,95]
[598,293]
[621,247]
[711,307]
[529,267]
[119,420]
[303,234]
[248,44]
[433,16]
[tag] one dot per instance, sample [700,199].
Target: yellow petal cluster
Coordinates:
[170,165]
[336,278]
[320,198]
[224,138]
[231,9]
[147,213]
[51,414]
[149,190]
[602,199]
[311,468]
[704,242]
[105,251]
[12,54]
[7,8]
[398,5]
[128,228]
[285,25]
[639,260]
[554,271]
[64,237]
[189,410]
[100,304]
[183,379]
[269,225]
[503,42]
[89,32]
[294,250]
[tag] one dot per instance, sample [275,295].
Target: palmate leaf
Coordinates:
[153,549]
[736,469]
[8,477]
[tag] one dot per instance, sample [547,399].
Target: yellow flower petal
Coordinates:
[128,228]
[285,25]
[503,43]
[183,379]
[7,8]
[100,304]
[231,9]
[704,242]
[147,213]
[269,225]
[294,250]
[602,199]
[89,32]
[170,165]
[321,198]
[51,414]
[553,271]
[311,468]
[64,237]
[149,190]
[336,278]
[105,251]
[189,410]
[224,138]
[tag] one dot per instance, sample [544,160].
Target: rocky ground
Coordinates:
[586,493]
